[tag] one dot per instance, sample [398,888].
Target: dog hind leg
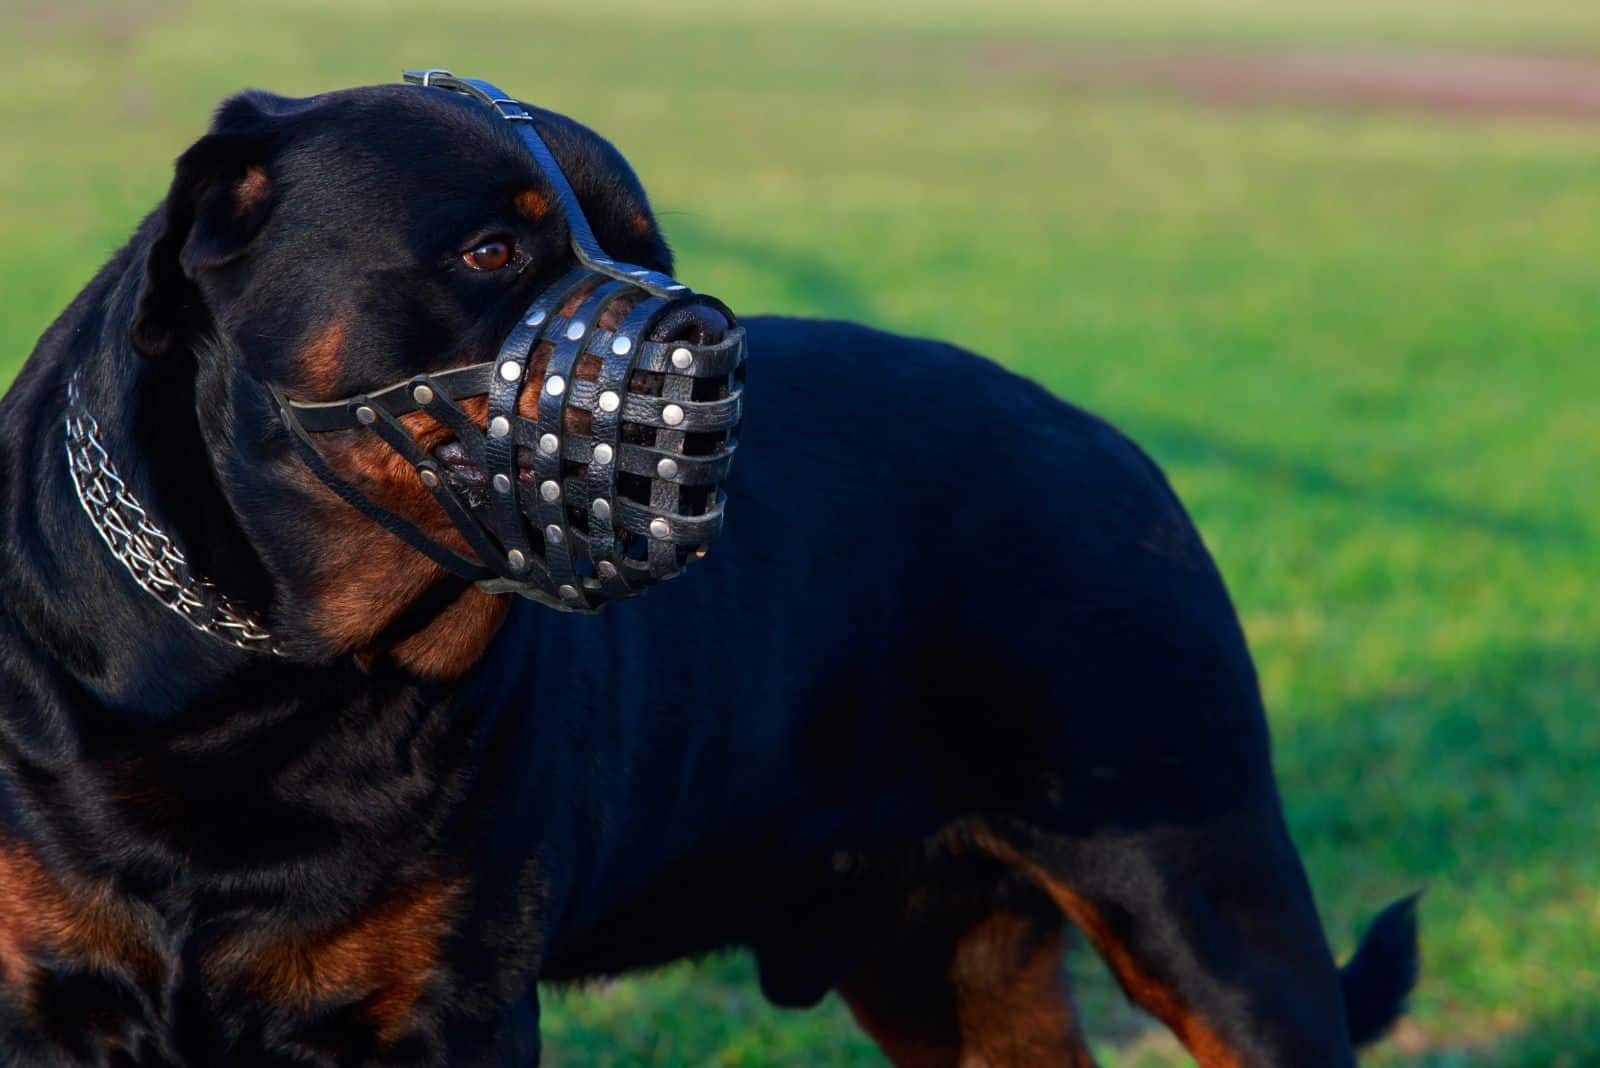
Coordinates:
[1211,928]
[971,985]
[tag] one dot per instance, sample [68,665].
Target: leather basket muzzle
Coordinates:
[631,444]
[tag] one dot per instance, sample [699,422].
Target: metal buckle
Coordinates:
[500,103]
[425,77]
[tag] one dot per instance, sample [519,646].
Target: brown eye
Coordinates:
[489,256]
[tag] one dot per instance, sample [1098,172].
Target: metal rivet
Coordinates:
[607,569]
[682,359]
[672,415]
[660,528]
[601,508]
[516,559]
[549,443]
[499,426]
[554,534]
[535,319]
[511,370]
[609,401]
[555,386]
[422,395]
[621,345]
[366,416]
[429,478]
[502,482]
[574,331]
[550,490]
[569,591]
[667,468]
[602,453]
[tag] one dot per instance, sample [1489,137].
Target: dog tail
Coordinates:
[1379,977]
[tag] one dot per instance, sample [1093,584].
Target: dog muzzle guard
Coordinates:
[622,502]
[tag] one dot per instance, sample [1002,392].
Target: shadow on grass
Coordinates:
[1173,442]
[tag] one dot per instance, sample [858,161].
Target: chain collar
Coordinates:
[153,559]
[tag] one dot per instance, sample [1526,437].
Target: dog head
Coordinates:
[317,250]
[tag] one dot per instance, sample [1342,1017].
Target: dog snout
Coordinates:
[698,324]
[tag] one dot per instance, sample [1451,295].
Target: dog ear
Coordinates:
[222,193]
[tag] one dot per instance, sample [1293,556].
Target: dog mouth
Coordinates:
[459,467]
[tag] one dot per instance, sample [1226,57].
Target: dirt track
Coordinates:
[1463,84]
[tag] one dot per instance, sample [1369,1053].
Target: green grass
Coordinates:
[1363,345]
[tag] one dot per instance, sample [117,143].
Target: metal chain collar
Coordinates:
[154,561]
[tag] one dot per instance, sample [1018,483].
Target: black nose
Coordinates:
[696,323]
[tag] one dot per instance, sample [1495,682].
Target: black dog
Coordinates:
[959,666]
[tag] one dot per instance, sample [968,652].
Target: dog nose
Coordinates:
[698,324]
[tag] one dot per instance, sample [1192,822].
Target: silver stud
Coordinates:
[502,482]
[511,370]
[621,345]
[550,490]
[499,426]
[682,359]
[574,331]
[535,319]
[554,534]
[601,508]
[568,591]
[660,528]
[602,453]
[672,415]
[555,386]
[667,468]
[607,569]
[516,559]
[366,416]
[422,395]
[549,443]
[609,401]
[429,478]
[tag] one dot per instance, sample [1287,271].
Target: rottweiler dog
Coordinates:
[959,672]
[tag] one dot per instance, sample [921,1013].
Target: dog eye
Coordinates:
[490,256]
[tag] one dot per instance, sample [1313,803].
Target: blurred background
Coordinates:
[1333,262]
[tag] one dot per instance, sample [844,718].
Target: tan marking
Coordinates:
[319,366]
[385,957]
[1158,997]
[251,190]
[640,224]
[454,641]
[89,926]
[1003,1001]
[532,204]
[1012,1002]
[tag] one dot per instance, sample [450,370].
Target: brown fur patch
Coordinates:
[1150,991]
[532,204]
[251,190]
[1012,1003]
[640,224]
[455,640]
[319,365]
[84,925]
[1002,1002]
[385,958]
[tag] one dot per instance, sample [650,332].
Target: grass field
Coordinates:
[1363,342]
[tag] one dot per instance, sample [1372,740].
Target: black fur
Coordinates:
[957,634]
